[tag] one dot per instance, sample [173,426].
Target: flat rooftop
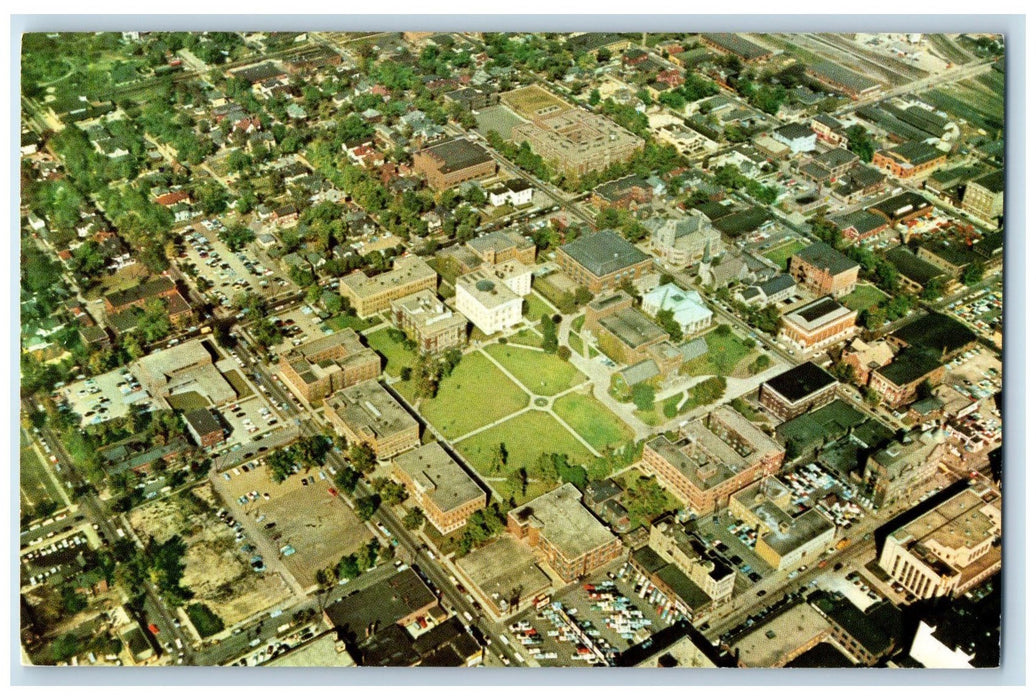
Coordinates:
[436,474]
[406,270]
[382,604]
[632,327]
[824,257]
[799,382]
[818,313]
[502,566]
[564,521]
[769,643]
[368,408]
[458,155]
[604,252]
[937,332]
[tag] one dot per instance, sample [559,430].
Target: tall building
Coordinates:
[571,540]
[682,242]
[817,324]
[984,197]
[949,549]
[823,270]
[370,295]
[325,365]
[798,390]
[429,322]
[602,260]
[445,492]
[491,298]
[893,474]
[367,413]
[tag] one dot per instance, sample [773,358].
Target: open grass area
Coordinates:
[36,486]
[577,323]
[396,355]
[522,451]
[527,337]
[782,253]
[864,297]
[576,343]
[725,352]
[476,394]
[536,307]
[592,420]
[341,322]
[540,373]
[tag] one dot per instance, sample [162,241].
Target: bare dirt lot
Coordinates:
[215,567]
[321,528]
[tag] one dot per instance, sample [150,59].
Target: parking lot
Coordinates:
[305,526]
[250,420]
[227,273]
[299,325]
[976,373]
[980,310]
[810,485]
[609,613]
[105,396]
[731,539]
[53,561]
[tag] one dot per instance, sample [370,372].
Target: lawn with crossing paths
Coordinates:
[592,420]
[540,372]
[475,394]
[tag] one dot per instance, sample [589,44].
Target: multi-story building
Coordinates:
[370,295]
[689,311]
[570,139]
[624,193]
[798,390]
[678,544]
[862,226]
[784,535]
[897,382]
[714,458]
[445,492]
[203,427]
[491,297]
[817,324]
[829,130]
[367,413]
[779,640]
[826,168]
[570,539]
[984,197]
[446,165]
[503,246]
[893,473]
[797,137]
[865,357]
[823,270]
[602,260]
[948,549]
[623,333]
[429,322]
[684,241]
[909,160]
[325,365]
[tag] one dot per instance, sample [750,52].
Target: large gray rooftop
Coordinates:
[564,521]
[436,474]
[604,252]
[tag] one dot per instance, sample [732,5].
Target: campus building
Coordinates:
[602,260]
[679,545]
[491,298]
[984,197]
[893,473]
[823,270]
[713,458]
[367,413]
[688,308]
[797,390]
[325,365]
[898,381]
[684,241]
[570,539]
[446,165]
[817,324]
[370,295]
[503,246]
[429,322]
[949,549]
[446,494]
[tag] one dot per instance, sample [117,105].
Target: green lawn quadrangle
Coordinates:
[393,351]
[536,307]
[525,437]
[725,352]
[541,373]
[592,420]
[475,394]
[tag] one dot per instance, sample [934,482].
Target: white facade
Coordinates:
[515,197]
[491,298]
[931,653]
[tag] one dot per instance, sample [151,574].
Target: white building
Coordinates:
[688,308]
[491,298]
[930,652]
[514,192]
[798,137]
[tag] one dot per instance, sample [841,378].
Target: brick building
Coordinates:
[817,324]
[370,295]
[367,413]
[797,391]
[602,260]
[446,165]
[908,160]
[823,270]
[429,322]
[897,382]
[446,494]
[325,365]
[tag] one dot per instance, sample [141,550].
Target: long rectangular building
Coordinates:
[445,492]
[325,365]
[370,295]
[367,413]
[602,260]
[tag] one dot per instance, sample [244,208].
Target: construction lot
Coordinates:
[216,568]
[302,528]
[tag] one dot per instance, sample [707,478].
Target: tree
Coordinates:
[366,506]
[644,396]
[499,459]
[414,519]
[346,479]
[860,142]
[564,352]
[550,334]
[362,457]
[518,480]
[972,274]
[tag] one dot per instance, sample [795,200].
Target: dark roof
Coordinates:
[953,252]
[202,421]
[458,154]
[823,655]
[799,382]
[824,257]
[896,208]
[604,252]
[388,646]
[736,44]
[841,76]
[592,41]
[828,121]
[908,367]
[446,644]
[383,604]
[876,630]
[257,73]
[912,267]
[994,182]
[667,637]
[836,157]
[820,307]
[794,131]
[777,284]
[916,152]
[140,292]
[863,221]
[937,332]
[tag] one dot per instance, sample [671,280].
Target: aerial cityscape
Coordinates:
[482,349]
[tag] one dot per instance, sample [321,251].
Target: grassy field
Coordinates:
[536,307]
[398,356]
[725,352]
[522,451]
[782,253]
[476,394]
[864,297]
[592,420]
[36,486]
[540,373]
[576,343]
[526,337]
[529,100]
[341,322]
